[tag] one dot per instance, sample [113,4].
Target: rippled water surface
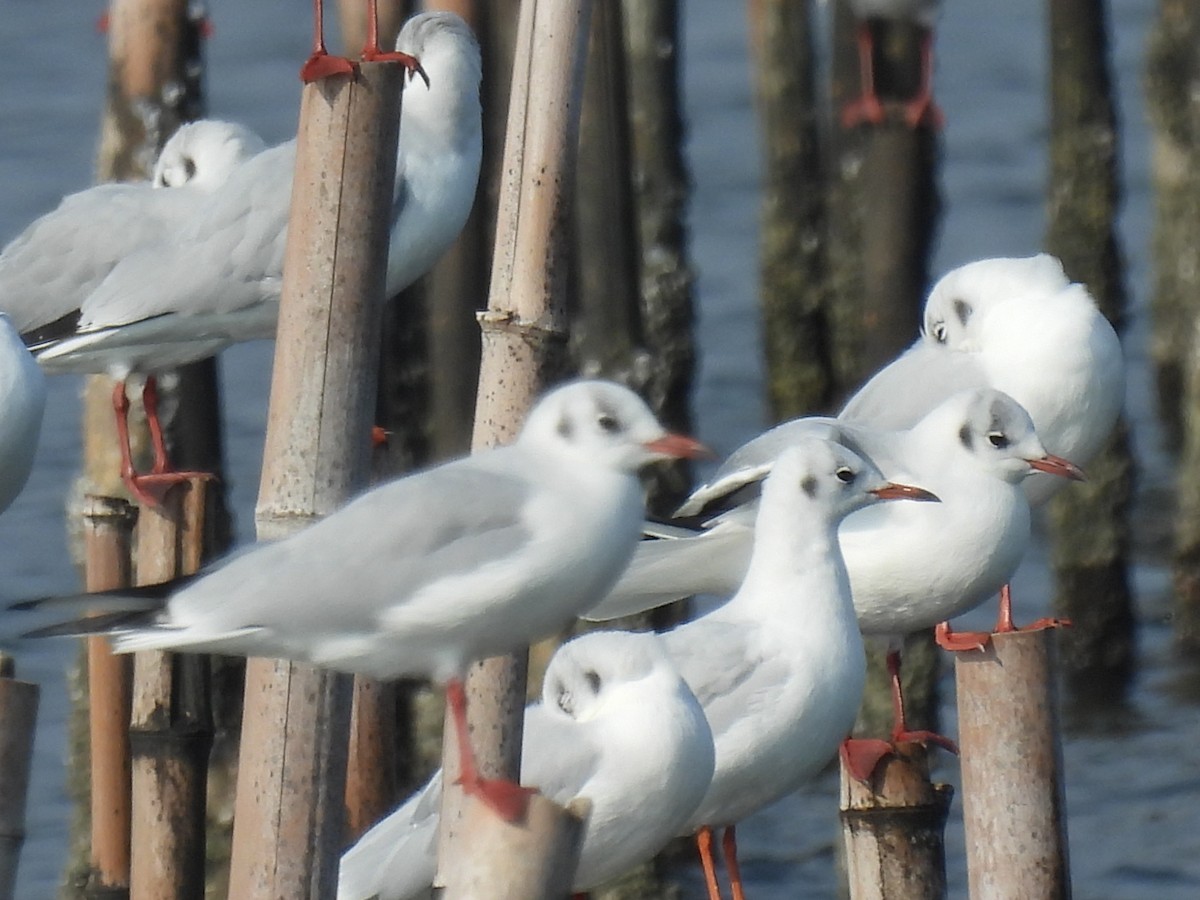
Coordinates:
[1131,790]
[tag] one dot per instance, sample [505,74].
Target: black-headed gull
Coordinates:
[425,574]
[22,402]
[216,278]
[918,109]
[616,725]
[912,566]
[48,270]
[780,668]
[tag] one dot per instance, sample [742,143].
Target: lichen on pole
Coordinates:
[288,821]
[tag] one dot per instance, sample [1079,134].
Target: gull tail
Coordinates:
[101,612]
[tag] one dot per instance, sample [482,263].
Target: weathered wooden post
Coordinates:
[18,720]
[893,830]
[1090,521]
[170,729]
[1014,809]
[291,784]
[524,336]
[108,529]
[792,261]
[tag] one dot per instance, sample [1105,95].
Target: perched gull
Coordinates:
[48,270]
[432,571]
[867,108]
[780,668]
[616,725]
[216,278]
[911,566]
[22,401]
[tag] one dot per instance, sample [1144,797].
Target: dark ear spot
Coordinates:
[964,435]
[809,486]
[565,428]
[189,166]
[962,309]
[593,680]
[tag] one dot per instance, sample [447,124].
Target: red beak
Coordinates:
[678,446]
[893,491]
[1056,465]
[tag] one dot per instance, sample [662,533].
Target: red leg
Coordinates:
[867,107]
[508,799]
[1004,621]
[372,52]
[704,843]
[149,489]
[862,755]
[921,109]
[729,851]
[321,64]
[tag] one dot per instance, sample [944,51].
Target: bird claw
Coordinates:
[509,800]
[866,109]
[411,63]
[862,756]
[960,641]
[323,65]
[923,111]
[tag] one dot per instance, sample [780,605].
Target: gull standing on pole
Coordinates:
[616,725]
[780,668]
[430,572]
[216,278]
[911,566]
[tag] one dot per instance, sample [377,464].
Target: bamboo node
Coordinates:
[507,321]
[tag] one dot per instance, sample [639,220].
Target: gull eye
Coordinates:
[608,423]
[845,474]
[939,332]
[593,679]
[998,439]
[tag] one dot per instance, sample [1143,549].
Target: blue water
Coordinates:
[1130,794]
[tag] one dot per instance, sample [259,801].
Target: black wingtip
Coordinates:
[102,623]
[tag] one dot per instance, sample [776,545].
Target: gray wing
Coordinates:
[397,858]
[227,256]
[47,271]
[669,569]
[901,393]
[723,664]
[752,462]
[375,553]
[558,757]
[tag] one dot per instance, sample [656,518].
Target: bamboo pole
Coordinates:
[523,333]
[1014,809]
[540,854]
[170,719]
[792,258]
[371,760]
[108,528]
[18,722]
[1090,522]
[893,829]
[291,787]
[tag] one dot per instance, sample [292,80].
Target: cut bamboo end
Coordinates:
[535,857]
[894,829]
[1014,808]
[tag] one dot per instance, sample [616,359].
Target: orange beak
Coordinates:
[1056,465]
[678,446]
[893,491]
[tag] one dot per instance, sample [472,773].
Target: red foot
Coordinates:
[379,436]
[866,109]
[152,488]
[507,799]
[862,756]
[323,65]
[960,641]
[923,111]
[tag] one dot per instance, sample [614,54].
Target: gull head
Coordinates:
[203,154]
[994,432]
[448,52]
[833,478]
[589,674]
[963,297]
[603,424]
